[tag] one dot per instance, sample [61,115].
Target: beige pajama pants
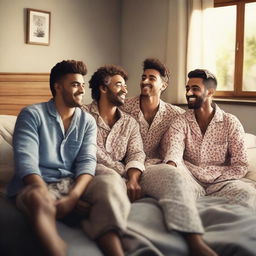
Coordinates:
[177,190]
[107,196]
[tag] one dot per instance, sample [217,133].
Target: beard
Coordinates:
[197,103]
[70,101]
[115,99]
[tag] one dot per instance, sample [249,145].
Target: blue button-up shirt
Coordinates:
[42,147]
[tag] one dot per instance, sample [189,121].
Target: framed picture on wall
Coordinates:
[38,27]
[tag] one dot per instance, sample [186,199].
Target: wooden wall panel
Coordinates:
[18,90]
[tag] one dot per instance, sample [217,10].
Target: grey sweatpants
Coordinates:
[177,190]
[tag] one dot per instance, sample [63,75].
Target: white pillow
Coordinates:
[250,140]
[7,124]
[252,164]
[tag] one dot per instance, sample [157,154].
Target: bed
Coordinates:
[229,229]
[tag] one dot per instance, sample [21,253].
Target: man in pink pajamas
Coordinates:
[207,146]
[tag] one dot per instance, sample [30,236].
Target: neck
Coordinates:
[204,115]
[149,104]
[107,111]
[64,111]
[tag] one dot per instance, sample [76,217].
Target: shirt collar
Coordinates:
[52,108]
[218,115]
[94,109]
[162,105]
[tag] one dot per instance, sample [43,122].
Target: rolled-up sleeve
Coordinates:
[26,144]
[86,159]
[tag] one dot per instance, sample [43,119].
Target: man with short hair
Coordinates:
[55,158]
[154,117]
[207,146]
[120,150]
[153,114]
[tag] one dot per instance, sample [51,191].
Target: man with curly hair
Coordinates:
[120,156]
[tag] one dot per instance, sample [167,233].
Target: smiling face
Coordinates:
[71,89]
[116,90]
[196,93]
[151,83]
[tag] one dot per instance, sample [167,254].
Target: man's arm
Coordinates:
[84,165]
[237,153]
[173,143]
[105,159]
[67,203]
[26,145]
[135,158]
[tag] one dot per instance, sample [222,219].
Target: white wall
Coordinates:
[99,32]
[143,34]
[87,30]
[245,113]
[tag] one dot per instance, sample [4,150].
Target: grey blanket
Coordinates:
[229,229]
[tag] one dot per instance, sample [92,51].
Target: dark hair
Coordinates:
[102,77]
[209,79]
[63,68]
[156,64]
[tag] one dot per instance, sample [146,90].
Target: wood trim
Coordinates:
[18,90]
[239,61]
[238,92]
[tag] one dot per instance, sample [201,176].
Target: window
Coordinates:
[233,41]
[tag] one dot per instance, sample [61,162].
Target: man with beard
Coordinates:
[207,146]
[153,114]
[55,158]
[120,153]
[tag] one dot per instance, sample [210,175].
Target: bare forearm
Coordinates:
[34,179]
[133,174]
[80,185]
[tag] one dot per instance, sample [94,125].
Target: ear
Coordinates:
[103,89]
[164,86]
[57,86]
[211,92]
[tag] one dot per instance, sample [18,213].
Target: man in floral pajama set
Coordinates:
[207,146]
[120,155]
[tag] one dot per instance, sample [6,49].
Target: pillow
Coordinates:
[250,140]
[252,164]
[6,153]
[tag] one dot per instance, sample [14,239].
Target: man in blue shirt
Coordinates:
[55,158]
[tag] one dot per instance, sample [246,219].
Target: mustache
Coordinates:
[78,93]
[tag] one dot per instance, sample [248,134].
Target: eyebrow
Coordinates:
[149,76]
[76,82]
[193,86]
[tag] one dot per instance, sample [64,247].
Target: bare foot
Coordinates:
[198,247]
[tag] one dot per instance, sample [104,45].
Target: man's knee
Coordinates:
[110,189]
[165,172]
[34,198]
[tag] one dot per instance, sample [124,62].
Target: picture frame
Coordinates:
[38,27]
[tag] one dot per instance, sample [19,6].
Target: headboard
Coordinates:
[18,90]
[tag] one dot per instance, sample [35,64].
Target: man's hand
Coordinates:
[82,208]
[65,205]
[133,186]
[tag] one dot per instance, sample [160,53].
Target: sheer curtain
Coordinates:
[199,53]
[187,48]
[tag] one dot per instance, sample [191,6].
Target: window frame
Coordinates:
[238,92]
